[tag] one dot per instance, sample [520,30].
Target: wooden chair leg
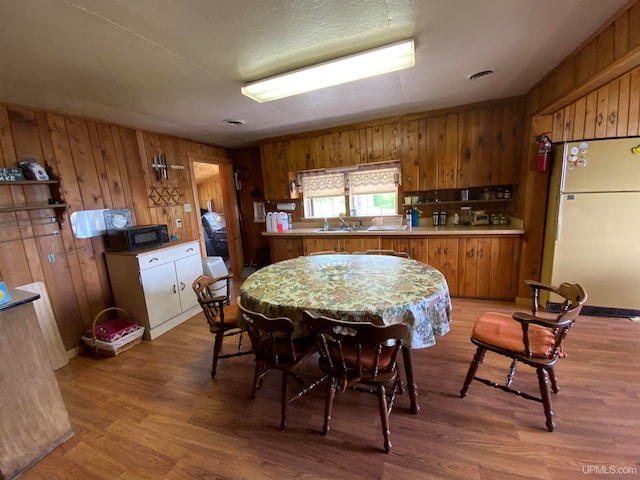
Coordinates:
[545,395]
[328,406]
[256,378]
[285,400]
[554,380]
[511,373]
[384,417]
[217,346]
[473,368]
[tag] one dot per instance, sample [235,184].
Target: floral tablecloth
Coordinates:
[380,289]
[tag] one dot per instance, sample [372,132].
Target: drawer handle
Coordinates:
[154,259]
[190,249]
[182,285]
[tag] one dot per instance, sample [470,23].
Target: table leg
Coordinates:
[407,358]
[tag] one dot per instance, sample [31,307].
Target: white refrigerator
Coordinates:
[592,235]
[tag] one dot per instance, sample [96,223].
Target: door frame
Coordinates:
[229,208]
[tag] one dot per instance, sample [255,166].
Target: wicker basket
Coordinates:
[118,345]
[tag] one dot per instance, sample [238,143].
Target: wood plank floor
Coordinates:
[155,413]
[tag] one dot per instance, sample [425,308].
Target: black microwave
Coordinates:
[135,238]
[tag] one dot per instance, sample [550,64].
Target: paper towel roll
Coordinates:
[286,206]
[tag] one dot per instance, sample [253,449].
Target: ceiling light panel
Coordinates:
[390,58]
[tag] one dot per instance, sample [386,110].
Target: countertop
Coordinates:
[18,297]
[510,229]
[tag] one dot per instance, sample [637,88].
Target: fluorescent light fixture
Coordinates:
[370,63]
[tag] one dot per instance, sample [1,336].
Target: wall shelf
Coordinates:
[54,191]
[458,202]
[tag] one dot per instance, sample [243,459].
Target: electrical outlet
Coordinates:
[178,223]
[187,207]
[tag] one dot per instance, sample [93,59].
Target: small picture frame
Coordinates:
[259,213]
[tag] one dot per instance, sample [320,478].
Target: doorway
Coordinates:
[215,197]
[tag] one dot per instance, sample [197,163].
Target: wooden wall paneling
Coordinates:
[621,36]
[634,20]
[344,149]
[121,163]
[535,187]
[511,132]
[431,156]
[15,267]
[410,163]
[451,151]
[612,107]
[72,306]
[475,177]
[108,150]
[89,284]
[441,152]
[567,128]
[377,144]
[297,155]
[591,115]
[605,47]
[558,126]
[623,106]
[355,155]
[464,149]
[485,145]
[390,141]
[633,122]
[317,152]
[74,256]
[331,151]
[422,154]
[363,146]
[602,112]
[496,169]
[137,168]
[579,112]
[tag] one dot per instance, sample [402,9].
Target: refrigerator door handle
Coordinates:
[559,222]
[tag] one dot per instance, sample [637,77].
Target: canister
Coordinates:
[436,218]
[442,218]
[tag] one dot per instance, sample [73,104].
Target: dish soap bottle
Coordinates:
[325,225]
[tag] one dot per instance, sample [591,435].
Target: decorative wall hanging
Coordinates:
[165,196]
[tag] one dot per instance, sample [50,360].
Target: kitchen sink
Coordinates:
[341,229]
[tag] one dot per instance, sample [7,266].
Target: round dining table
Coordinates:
[381,289]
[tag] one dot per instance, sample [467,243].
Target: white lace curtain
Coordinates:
[382,180]
[323,185]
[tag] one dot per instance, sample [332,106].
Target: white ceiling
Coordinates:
[176,66]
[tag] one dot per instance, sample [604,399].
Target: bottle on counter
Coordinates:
[409,217]
[325,225]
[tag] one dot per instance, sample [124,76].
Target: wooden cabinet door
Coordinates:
[312,245]
[285,248]
[161,293]
[488,267]
[187,270]
[360,244]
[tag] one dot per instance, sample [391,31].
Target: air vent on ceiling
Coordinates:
[233,121]
[481,74]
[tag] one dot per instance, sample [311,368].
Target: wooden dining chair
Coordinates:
[359,354]
[222,320]
[383,251]
[275,348]
[534,339]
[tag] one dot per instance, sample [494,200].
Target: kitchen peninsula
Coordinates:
[477,261]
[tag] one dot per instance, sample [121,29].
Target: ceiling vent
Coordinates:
[481,74]
[233,121]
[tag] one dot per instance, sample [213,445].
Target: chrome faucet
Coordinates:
[343,221]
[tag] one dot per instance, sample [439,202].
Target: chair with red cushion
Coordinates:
[359,354]
[223,321]
[534,339]
[275,348]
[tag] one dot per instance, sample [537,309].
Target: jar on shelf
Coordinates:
[486,194]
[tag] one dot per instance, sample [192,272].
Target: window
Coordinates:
[368,190]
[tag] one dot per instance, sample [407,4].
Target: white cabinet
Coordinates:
[154,286]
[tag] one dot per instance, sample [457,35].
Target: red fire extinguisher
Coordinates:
[542,157]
